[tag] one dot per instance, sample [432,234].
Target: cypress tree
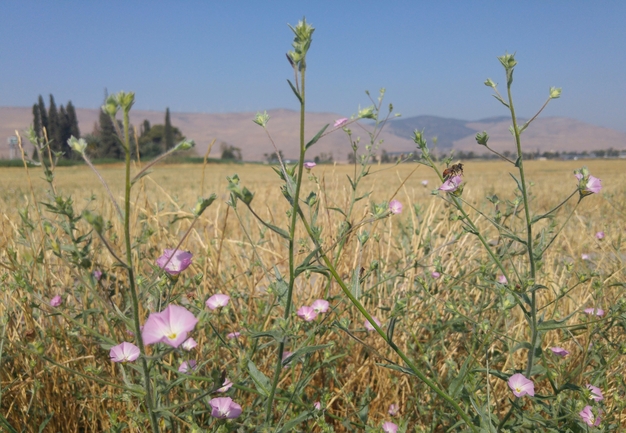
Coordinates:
[73,120]
[168,134]
[43,116]
[64,132]
[36,120]
[54,127]
[109,146]
[146,127]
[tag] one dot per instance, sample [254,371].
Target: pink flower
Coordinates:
[451,184]
[425,183]
[369,326]
[97,274]
[56,301]
[170,326]
[521,386]
[597,311]
[224,407]
[320,305]
[502,279]
[284,358]
[559,351]
[124,352]
[584,256]
[389,427]
[600,235]
[393,409]
[174,261]
[435,275]
[233,335]
[587,415]
[593,186]
[187,366]
[317,405]
[309,165]
[189,344]
[596,393]
[225,386]
[216,301]
[308,314]
[395,207]
[587,184]
[340,122]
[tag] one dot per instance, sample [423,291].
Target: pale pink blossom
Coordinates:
[56,301]
[225,386]
[395,207]
[218,300]
[451,184]
[594,185]
[585,256]
[124,352]
[284,358]
[597,311]
[320,305]
[317,405]
[340,122]
[559,351]
[502,279]
[521,386]
[369,326]
[187,366]
[393,409]
[600,235]
[232,335]
[389,427]
[425,183]
[170,326]
[224,407]
[596,393]
[309,165]
[589,418]
[306,313]
[189,344]
[435,275]
[174,261]
[97,274]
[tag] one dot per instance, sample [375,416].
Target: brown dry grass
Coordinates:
[32,387]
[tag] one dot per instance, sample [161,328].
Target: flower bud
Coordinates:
[555,92]
[202,204]
[78,145]
[111,106]
[482,138]
[262,119]
[367,113]
[489,83]
[185,145]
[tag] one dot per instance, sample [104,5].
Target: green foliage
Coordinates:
[152,142]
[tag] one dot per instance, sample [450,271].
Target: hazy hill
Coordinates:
[550,133]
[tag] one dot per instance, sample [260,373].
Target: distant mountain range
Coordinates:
[237,129]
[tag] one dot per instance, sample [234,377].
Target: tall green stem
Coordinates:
[131,280]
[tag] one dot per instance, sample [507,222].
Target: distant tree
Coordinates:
[36,120]
[352,158]
[109,145]
[168,132]
[230,152]
[384,157]
[152,142]
[43,116]
[73,120]
[64,132]
[145,127]
[273,157]
[324,158]
[54,127]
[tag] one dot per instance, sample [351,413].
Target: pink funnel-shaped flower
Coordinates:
[389,427]
[521,386]
[502,279]
[309,165]
[593,186]
[187,366]
[425,183]
[308,314]
[369,326]
[225,386]
[589,418]
[320,305]
[124,352]
[56,301]
[224,407]
[435,275]
[600,235]
[596,393]
[340,122]
[395,207]
[451,184]
[317,405]
[189,344]
[232,335]
[218,300]
[97,274]
[170,326]
[585,256]
[559,351]
[597,311]
[174,261]
[393,409]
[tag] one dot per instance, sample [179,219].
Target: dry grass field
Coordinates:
[234,254]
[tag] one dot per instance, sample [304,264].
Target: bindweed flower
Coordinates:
[170,326]
[340,122]
[596,393]
[589,418]
[187,366]
[308,314]
[389,427]
[189,344]
[97,274]
[317,405]
[174,261]
[369,326]
[393,409]
[224,407]
[56,301]
[600,235]
[559,351]
[502,279]
[451,185]
[593,185]
[597,311]
[218,300]
[585,256]
[435,275]
[521,386]
[124,352]
[587,184]
[424,183]
[225,386]
[395,207]
[232,335]
[320,305]
[309,165]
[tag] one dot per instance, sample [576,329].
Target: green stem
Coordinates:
[131,281]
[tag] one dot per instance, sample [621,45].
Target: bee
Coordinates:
[453,170]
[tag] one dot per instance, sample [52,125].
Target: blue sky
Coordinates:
[228,56]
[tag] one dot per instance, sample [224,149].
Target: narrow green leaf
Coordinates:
[317,137]
[295,91]
[501,100]
[289,425]
[397,368]
[261,381]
